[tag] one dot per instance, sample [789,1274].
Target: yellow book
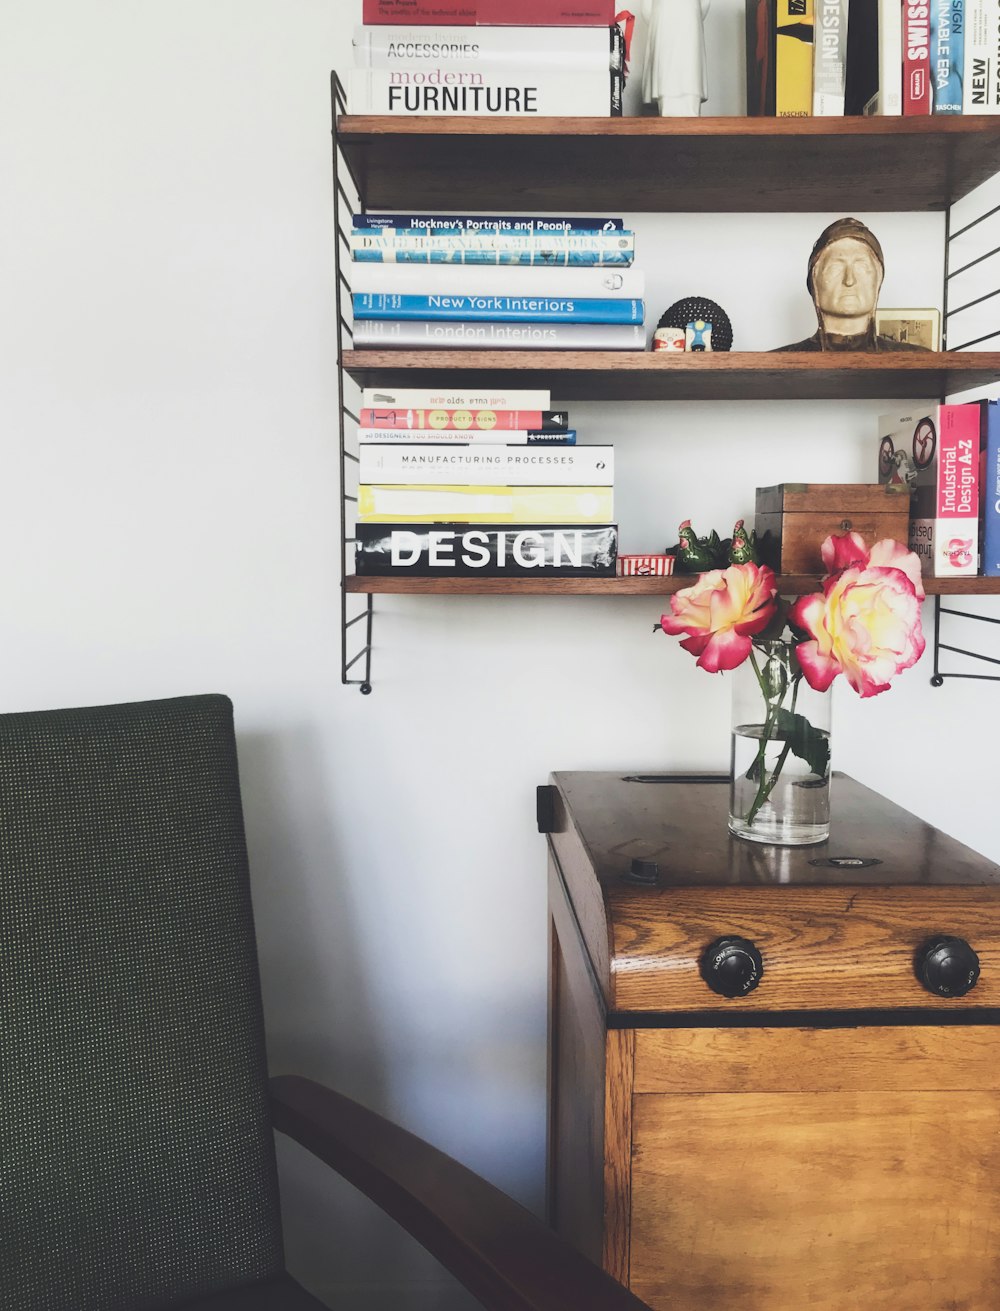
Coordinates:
[389,503]
[793,58]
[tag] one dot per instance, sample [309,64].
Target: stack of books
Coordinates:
[493,57]
[466,484]
[885,57]
[946,458]
[422,280]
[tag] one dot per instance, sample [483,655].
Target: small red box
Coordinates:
[645,566]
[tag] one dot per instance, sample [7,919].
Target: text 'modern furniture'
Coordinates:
[774,1072]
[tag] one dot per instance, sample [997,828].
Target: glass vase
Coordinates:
[779,788]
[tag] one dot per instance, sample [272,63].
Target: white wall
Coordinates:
[169,526]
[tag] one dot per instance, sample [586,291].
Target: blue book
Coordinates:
[497,309]
[425,223]
[539,258]
[990,487]
[947,54]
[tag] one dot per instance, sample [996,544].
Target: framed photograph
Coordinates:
[918,327]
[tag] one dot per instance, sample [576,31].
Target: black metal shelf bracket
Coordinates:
[343,207]
[939,675]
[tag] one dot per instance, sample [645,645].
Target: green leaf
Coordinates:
[806,742]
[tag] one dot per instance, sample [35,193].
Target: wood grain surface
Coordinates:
[401,585]
[885,1201]
[618,1152]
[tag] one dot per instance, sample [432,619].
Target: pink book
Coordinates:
[917,86]
[491,13]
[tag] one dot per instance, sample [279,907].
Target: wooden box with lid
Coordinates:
[792,520]
[774,1072]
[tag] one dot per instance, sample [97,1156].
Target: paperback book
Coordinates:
[425,223]
[474,91]
[488,465]
[499,309]
[589,281]
[463,437]
[500,13]
[457,398]
[460,550]
[935,455]
[483,503]
[433,334]
[492,49]
[464,421]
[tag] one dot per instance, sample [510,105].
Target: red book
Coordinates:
[917,85]
[477,421]
[491,13]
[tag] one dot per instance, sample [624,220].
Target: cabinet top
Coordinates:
[679,822]
[669,165]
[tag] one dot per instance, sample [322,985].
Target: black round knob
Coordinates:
[947,966]
[732,967]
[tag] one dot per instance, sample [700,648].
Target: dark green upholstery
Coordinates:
[136,1157]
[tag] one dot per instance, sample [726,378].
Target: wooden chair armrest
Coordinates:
[504,1255]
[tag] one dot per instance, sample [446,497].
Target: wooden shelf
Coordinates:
[662,375]
[788,584]
[669,165]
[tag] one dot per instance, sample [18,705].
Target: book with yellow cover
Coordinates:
[389,503]
[793,58]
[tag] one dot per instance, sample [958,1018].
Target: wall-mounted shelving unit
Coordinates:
[723,165]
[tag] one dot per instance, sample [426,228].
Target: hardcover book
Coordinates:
[390,243]
[498,309]
[501,13]
[493,49]
[981,82]
[460,550]
[488,465]
[760,36]
[829,58]
[440,334]
[861,88]
[917,92]
[947,55]
[935,456]
[464,422]
[990,485]
[477,503]
[465,437]
[426,223]
[458,398]
[793,59]
[887,100]
[591,281]
[477,92]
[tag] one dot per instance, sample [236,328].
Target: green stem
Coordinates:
[763,790]
[779,763]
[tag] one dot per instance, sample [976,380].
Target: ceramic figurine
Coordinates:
[695,554]
[674,69]
[844,278]
[743,546]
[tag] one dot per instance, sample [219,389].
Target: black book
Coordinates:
[470,550]
[861,77]
[760,18]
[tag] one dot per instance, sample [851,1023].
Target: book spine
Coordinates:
[471,91]
[431,334]
[917,93]
[947,53]
[538,257]
[487,465]
[459,551]
[794,58]
[460,13]
[956,521]
[474,503]
[545,13]
[981,83]
[760,56]
[493,50]
[527,224]
[396,240]
[482,423]
[861,85]
[496,309]
[458,437]
[990,483]
[592,282]
[442,398]
[888,101]
[830,58]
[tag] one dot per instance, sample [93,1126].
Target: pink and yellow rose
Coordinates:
[865,624]
[721,612]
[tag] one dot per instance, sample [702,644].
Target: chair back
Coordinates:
[136,1158]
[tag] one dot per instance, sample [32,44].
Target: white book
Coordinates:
[470,90]
[455,398]
[594,282]
[443,334]
[980,91]
[829,58]
[489,465]
[493,49]
[889,100]
[362,240]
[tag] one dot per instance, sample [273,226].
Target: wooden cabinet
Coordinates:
[832,1138]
